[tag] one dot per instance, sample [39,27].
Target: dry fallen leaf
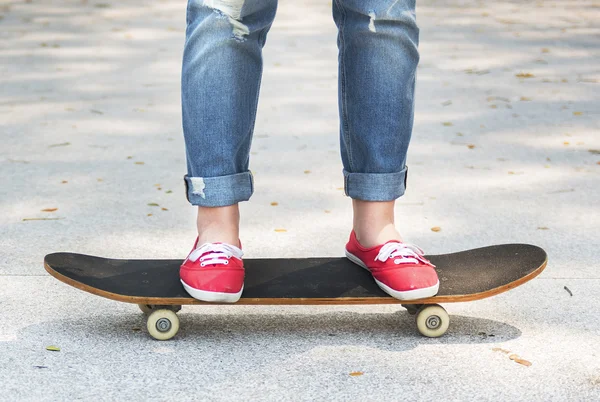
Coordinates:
[566,143]
[517,359]
[524,75]
[64,182]
[577,113]
[501,350]
[274,203]
[139,163]
[149,214]
[328,211]
[525,99]
[436,229]
[64,144]
[356,373]
[53,348]
[164,209]
[281,230]
[307,171]
[523,362]
[49,209]
[545,50]
[471,146]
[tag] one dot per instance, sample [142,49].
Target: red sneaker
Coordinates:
[399,269]
[214,272]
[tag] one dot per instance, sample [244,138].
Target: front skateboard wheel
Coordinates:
[433,321]
[163,324]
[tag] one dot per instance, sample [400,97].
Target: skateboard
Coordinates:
[155,287]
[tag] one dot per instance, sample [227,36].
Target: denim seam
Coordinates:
[261,36]
[344,117]
[251,182]
[187,13]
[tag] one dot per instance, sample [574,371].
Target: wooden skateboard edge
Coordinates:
[297,301]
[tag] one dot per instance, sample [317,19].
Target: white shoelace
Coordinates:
[219,253]
[406,253]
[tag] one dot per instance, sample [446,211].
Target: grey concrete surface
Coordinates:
[495,158]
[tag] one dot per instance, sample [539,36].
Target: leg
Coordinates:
[378,57]
[221,74]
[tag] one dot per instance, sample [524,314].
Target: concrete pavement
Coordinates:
[505,149]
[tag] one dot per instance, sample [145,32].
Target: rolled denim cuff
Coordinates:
[375,186]
[219,191]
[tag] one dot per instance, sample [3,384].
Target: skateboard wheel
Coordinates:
[433,321]
[146,308]
[163,324]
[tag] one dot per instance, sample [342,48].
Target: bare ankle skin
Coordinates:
[374,222]
[219,224]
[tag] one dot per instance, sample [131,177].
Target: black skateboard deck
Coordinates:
[154,284]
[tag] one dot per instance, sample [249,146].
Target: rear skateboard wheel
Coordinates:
[163,324]
[433,321]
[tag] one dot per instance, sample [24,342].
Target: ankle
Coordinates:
[371,236]
[219,224]
[229,235]
[374,222]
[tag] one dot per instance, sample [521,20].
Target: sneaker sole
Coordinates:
[215,297]
[398,294]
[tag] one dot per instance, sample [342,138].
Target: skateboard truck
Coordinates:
[413,308]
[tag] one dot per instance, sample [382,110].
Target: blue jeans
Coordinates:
[221,76]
